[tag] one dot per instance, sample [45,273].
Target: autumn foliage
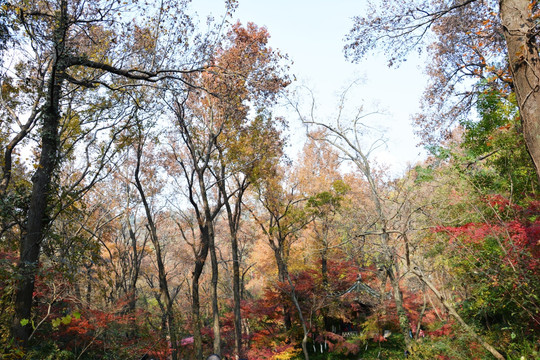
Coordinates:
[150,206]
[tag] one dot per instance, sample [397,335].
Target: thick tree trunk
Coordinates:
[283,276]
[520,32]
[200,260]
[37,219]
[195,307]
[195,298]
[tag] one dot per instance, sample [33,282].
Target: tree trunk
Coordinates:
[37,219]
[233,218]
[162,274]
[324,273]
[195,304]
[135,268]
[200,260]
[520,32]
[215,305]
[282,277]
[305,329]
[404,323]
[236,297]
[89,285]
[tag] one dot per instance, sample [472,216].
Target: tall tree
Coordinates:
[216,129]
[81,45]
[154,238]
[280,218]
[193,154]
[345,135]
[241,165]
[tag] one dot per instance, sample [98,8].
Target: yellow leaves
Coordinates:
[287,354]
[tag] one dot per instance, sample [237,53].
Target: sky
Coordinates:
[311,33]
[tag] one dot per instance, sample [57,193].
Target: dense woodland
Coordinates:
[149,207]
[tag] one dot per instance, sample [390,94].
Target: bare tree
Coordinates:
[346,136]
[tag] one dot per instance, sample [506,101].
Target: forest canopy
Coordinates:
[150,206]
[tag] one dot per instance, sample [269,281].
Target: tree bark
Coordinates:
[236,297]
[233,217]
[37,219]
[305,329]
[215,305]
[282,277]
[521,35]
[195,300]
[135,264]
[324,273]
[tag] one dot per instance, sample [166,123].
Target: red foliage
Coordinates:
[443,331]
[338,344]
[267,338]
[519,234]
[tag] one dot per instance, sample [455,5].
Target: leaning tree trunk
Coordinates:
[303,322]
[452,311]
[521,34]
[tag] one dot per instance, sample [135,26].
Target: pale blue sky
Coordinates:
[312,33]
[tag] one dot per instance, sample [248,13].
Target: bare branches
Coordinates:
[398,27]
[134,74]
[466,53]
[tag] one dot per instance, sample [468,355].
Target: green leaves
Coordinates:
[25,322]
[65,320]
